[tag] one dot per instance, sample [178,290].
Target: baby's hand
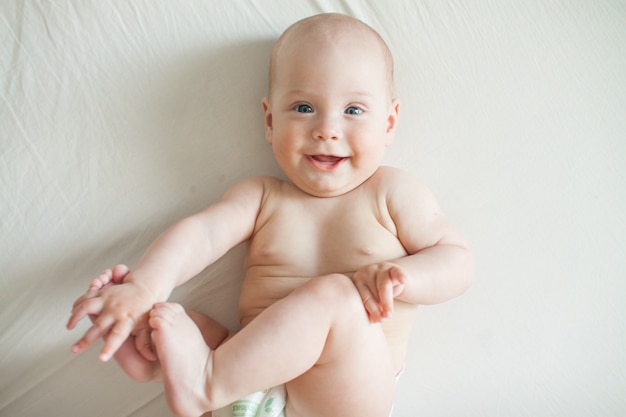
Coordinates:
[378,285]
[142,340]
[116,312]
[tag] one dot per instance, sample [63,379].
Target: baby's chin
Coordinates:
[328,189]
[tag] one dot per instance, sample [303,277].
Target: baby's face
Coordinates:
[330,114]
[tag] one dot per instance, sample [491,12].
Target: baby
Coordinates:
[339,256]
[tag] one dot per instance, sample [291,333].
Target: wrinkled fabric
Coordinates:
[119,117]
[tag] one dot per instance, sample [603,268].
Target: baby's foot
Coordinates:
[183,355]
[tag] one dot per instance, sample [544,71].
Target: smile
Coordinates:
[326,162]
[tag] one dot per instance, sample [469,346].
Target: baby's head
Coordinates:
[339,32]
[330,113]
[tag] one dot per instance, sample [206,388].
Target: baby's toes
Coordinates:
[165,314]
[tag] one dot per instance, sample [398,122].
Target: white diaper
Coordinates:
[267,403]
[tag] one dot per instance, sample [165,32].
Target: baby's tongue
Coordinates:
[327,159]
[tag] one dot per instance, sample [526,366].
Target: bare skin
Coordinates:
[136,356]
[174,330]
[339,256]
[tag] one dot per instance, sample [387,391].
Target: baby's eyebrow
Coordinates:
[298,93]
[362,94]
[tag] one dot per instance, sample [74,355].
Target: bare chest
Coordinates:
[312,237]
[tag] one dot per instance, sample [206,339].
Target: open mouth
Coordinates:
[326,162]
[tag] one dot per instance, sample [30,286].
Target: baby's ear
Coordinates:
[267,119]
[392,120]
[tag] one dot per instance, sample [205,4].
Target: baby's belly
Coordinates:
[259,292]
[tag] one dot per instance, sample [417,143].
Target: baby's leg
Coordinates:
[318,338]
[213,333]
[134,364]
[354,374]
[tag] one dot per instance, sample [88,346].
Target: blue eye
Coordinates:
[353,110]
[303,108]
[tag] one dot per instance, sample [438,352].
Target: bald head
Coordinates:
[330,30]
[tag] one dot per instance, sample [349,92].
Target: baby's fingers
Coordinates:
[100,327]
[397,279]
[385,293]
[116,337]
[370,303]
[118,273]
[101,280]
[109,277]
[83,307]
[389,287]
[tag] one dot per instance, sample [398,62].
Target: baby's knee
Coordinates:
[336,290]
[338,284]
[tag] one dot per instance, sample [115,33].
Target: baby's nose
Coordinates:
[328,128]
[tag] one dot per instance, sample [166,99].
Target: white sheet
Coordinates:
[116,118]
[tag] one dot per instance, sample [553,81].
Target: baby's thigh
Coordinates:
[354,375]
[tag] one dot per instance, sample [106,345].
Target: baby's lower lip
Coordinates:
[326,162]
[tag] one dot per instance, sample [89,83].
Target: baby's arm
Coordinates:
[439,264]
[177,255]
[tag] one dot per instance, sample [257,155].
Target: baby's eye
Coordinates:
[353,110]
[303,108]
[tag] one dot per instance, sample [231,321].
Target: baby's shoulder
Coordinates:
[392,180]
[271,189]
[402,191]
[393,174]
